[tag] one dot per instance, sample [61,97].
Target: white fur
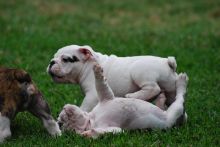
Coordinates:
[5,131]
[114,114]
[141,77]
[52,127]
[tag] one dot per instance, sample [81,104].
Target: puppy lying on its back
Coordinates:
[114,114]
[19,93]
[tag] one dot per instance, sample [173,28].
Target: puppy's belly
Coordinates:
[120,112]
[121,82]
[129,114]
[147,121]
[120,89]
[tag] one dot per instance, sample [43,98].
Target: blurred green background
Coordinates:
[32,31]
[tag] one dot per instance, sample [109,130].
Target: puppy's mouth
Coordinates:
[54,76]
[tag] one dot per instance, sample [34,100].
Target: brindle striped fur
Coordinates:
[11,93]
[14,98]
[19,93]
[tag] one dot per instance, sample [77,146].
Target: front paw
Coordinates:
[56,132]
[52,127]
[98,70]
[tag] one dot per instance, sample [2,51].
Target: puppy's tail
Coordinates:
[172,63]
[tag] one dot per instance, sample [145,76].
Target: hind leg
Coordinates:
[176,109]
[148,91]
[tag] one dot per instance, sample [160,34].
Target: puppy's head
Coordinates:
[17,87]
[68,62]
[72,118]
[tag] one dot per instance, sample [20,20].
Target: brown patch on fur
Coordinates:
[13,96]
[19,93]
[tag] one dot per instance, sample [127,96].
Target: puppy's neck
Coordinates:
[86,77]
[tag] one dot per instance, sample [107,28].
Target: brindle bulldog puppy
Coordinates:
[19,93]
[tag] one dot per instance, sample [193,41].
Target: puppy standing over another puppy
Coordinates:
[19,93]
[114,114]
[141,77]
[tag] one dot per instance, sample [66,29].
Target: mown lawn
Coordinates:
[32,31]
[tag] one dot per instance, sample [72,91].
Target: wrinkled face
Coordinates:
[68,62]
[71,118]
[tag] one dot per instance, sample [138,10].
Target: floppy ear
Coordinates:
[22,76]
[86,53]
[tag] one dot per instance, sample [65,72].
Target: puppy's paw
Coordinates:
[55,131]
[98,71]
[183,76]
[52,127]
[181,83]
[182,79]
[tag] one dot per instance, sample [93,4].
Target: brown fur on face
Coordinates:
[19,93]
[15,94]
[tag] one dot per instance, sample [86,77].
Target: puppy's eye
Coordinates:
[69,59]
[65,60]
[75,59]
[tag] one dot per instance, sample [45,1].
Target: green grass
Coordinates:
[32,31]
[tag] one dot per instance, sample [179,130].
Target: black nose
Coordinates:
[52,63]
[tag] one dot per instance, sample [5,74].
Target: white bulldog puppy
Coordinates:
[141,77]
[112,114]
